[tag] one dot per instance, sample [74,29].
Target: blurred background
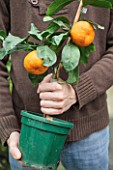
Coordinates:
[110,108]
[4,165]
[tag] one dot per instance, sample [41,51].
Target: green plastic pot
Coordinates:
[41,140]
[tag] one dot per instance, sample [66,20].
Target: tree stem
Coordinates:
[77,16]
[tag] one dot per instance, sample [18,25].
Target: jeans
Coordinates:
[90,153]
[14,164]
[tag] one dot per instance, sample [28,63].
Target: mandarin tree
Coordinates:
[79,36]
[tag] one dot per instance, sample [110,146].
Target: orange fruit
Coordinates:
[82,33]
[33,64]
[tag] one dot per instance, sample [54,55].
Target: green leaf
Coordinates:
[63,19]
[59,18]
[47,54]
[35,79]
[73,76]
[100,26]
[85,53]
[47,18]
[11,41]
[2,35]
[56,40]
[8,65]
[61,24]
[91,48]
[45,34]
[98,3]
[35,32]
[25,47]
[94,24]
[52,27]
[56,6]
[57,23]
[110,1]
[3,53]
[70,57]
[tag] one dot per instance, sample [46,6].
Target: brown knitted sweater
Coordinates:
[90,114]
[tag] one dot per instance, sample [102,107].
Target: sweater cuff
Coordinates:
[8,125]
[86,91]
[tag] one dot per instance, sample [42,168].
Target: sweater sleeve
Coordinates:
[98,78]
[8,120]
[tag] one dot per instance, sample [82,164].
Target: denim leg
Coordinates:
[90,153]
[14,164]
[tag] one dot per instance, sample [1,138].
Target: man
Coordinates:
[87,145]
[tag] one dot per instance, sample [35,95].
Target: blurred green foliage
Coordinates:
[8,65]
[4,164]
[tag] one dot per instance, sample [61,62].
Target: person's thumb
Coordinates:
[47,78]
[13,145]
[14,151]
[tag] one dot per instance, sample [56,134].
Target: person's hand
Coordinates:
[55,98]
[13,142]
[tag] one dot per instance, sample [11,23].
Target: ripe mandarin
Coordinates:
[33,64]
[82,33]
